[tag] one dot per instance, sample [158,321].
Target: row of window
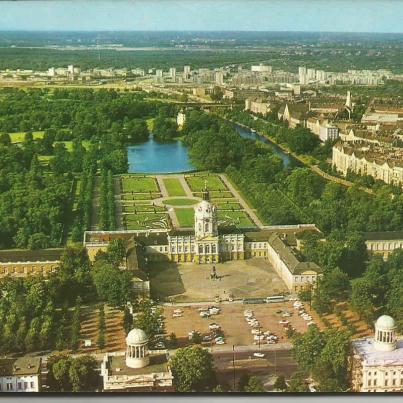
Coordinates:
[394,382]
[386,246]
[14,270]
[20,386]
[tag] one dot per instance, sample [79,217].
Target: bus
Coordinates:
[275,298]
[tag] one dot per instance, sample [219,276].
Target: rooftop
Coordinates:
[23,255]
[117,365]
[20,366]
[366,349]
[290,259]
[383,235]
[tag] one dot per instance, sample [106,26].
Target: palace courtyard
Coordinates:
[189,282]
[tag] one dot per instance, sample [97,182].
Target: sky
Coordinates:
[204,15]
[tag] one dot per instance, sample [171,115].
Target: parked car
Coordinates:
[177,315]
[214,326]
[284,322]
[259,355]
[220,342]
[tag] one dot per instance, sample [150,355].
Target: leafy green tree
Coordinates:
[83,374]
[149,319]
[307,347]
[113,285]
[127,321]
[192,369]
[254,385]
[59,369]
[280,383]
[297,383]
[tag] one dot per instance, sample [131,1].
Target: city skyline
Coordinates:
[372,16]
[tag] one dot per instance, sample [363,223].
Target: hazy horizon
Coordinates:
[338,16]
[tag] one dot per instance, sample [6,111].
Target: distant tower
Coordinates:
[205,217]
[348,100]
[385,334]
[181,118]
[137,349]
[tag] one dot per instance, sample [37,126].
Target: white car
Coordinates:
[286,315]
[204,314]
[178,311]
[256,331]
[284,322]
[214,311]
[213,326]
[257,338]
[220,342]
[177,315]
[259,355]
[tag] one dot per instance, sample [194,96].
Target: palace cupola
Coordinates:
[205,217]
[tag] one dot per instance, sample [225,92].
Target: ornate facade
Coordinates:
[376,363]
[208,243]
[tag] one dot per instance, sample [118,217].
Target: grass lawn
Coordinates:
[143,196]
[180,202]
[185,216]
[174,187]
[19,137]
[69,144]
[145,220]
[197,182]
[237,218]
[139,184]
[142,208]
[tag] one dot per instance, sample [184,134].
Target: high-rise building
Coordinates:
[219,78]
[302,74]
[172,73]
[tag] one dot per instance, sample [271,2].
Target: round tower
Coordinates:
[137,349]
[205,218]
[385,333]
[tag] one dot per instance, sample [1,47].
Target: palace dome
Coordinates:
[385,322]
[136,336]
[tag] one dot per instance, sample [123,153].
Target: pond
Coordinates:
[249,134]
[154,157]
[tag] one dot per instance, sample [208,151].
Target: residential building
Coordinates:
[181,118]
[328,131]
[293,113]
[21,374]
[376,363]
[363,158]
[257,106]
[219,78]
[261,68]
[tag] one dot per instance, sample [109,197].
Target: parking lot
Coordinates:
[232,321]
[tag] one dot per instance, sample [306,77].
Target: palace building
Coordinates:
[138,369]
[376,363]
[210,243]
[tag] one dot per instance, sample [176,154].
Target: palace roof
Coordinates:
[366,350]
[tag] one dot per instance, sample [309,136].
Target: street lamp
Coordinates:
[233,365]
